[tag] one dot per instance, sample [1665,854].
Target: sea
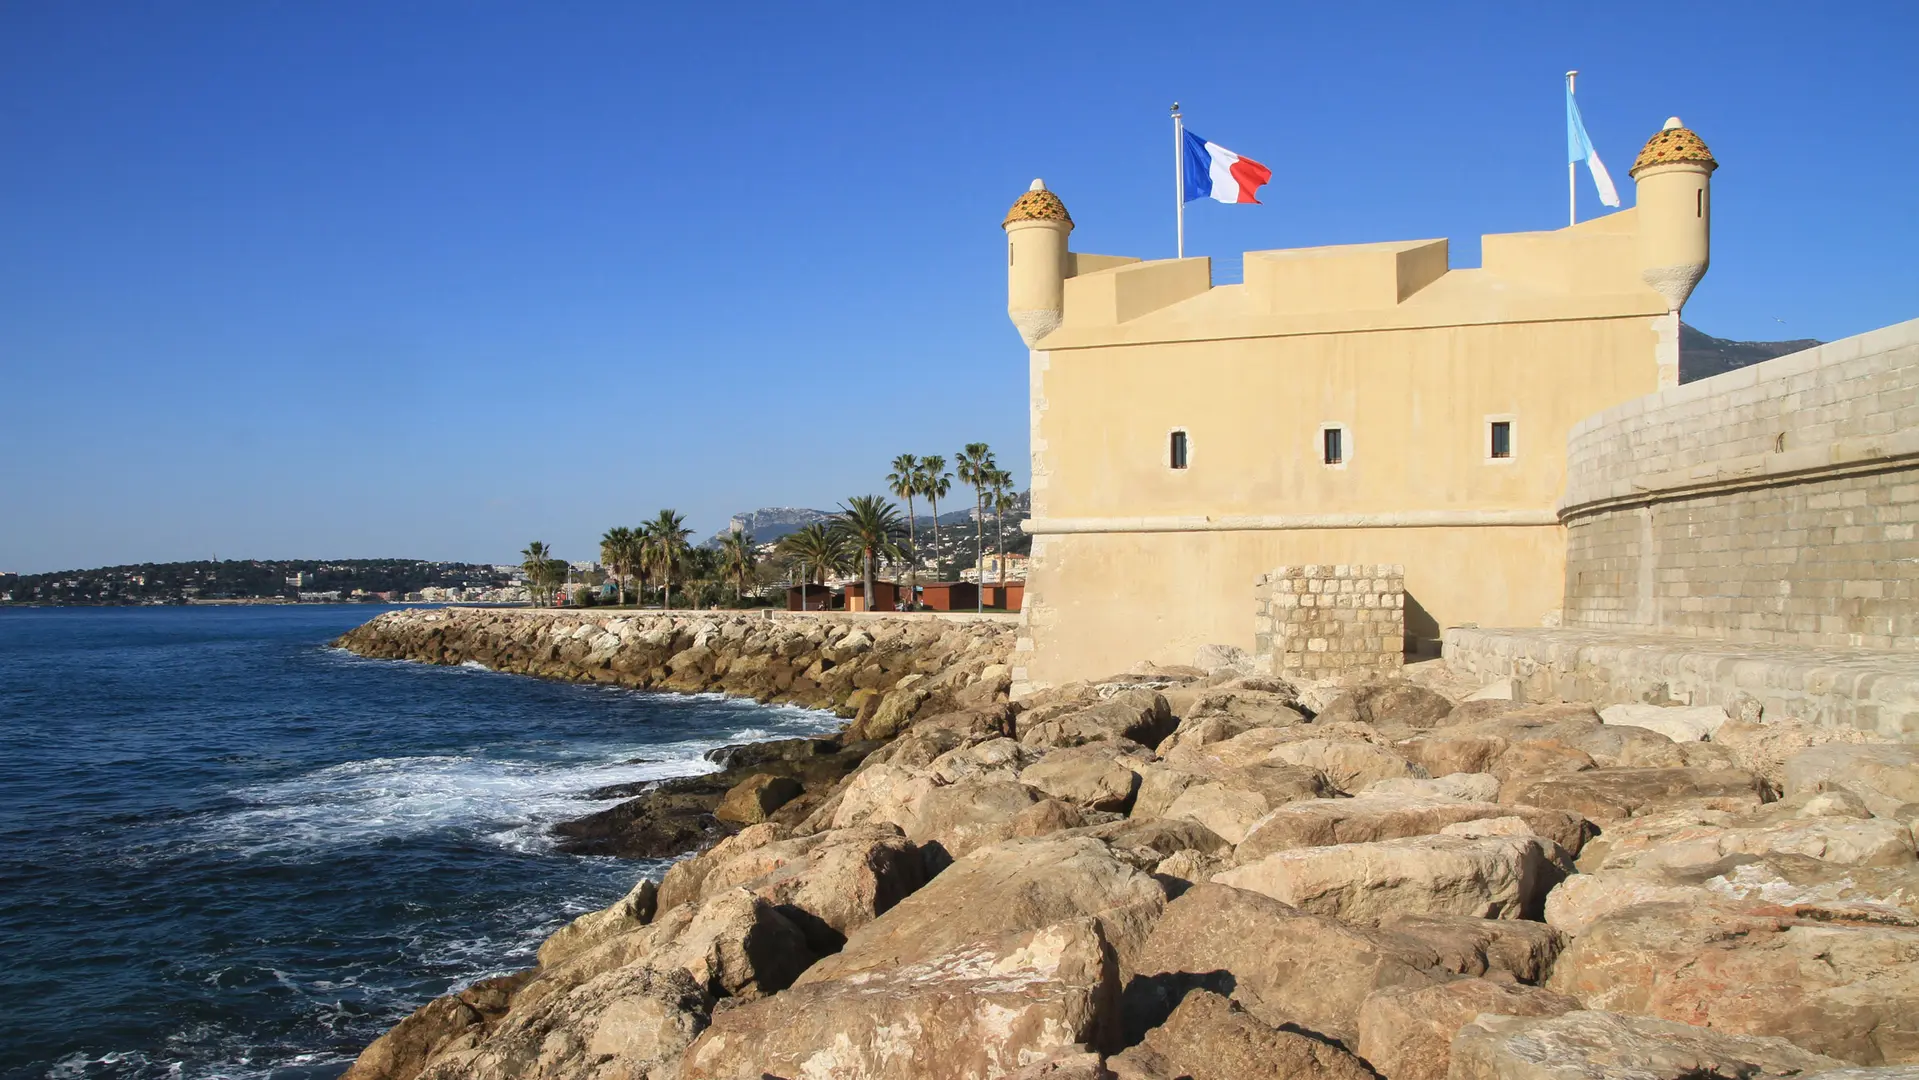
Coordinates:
[228,850]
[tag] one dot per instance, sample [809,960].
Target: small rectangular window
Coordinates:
[1335,445]
[1178,454]
[1502,439]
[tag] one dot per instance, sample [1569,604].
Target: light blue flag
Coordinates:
[1579,147]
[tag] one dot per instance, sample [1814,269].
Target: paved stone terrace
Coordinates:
[1871,690]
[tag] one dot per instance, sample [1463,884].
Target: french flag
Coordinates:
[1213,170]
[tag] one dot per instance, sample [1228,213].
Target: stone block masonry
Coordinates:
[1774,505]
[1314,621]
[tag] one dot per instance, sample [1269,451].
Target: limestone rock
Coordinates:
[628,1022]
[1460,787]
[1351,766]
[626,914]
[1209,1037]
[827,884]
[1796,883]
[1680,723]
[1140,715]
[1849,990]
[1163,837]
[1097,775]
[446,1025]
[1388,703]
[1502,877]
[1231,804]
[1323,822]
[1406,1032]
[1604,795]
[1017,886]
[1160,786]
[1473,947]
[978,1010]
[1228,658]
[1588,1045]
[752,799]
[1764,748]
[733,944]
[1284,966]
[995,759]
[1884,772]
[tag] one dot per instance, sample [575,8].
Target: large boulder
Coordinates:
[1850,990]
[1096,775]
[628,913]
[633,1021]
[1209,1037]
[446,1025]
[828,884]
[1497,877]
[1606,795]
[1017,886]
[950,819]
[1386,704]
[1406,1032]
[1801,884]
[1499,948]
[1350,765]
[1284,966]
[1235,799]
[1885,773]
[1459,787]
[752,799]
[1680,723]
[1588,1045]
[1139,715]
[980,1009]
[733,944]
[1367,818]
[1764,748]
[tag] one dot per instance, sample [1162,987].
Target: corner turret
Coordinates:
[1036,262]
[1674,178]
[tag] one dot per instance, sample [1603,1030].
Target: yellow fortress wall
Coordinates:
[1413,363]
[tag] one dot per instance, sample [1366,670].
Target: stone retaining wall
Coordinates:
[1314,621]
[1874,692]
[1776,504]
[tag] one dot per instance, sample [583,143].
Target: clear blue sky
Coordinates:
[434,279]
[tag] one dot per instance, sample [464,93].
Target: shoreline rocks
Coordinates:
[1177,872]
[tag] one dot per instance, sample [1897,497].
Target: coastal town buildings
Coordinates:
[1358,404]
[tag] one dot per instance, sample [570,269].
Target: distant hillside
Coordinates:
[1702,356]
[769,523]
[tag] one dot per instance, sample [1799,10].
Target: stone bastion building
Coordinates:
[1505,437]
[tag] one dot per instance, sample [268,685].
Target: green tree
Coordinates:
[976,468]
[904,483]
[817,550]
[537,561]
[1003,499]
[737,560]
[934,483]
[616,551]
[870,526]
[665,547]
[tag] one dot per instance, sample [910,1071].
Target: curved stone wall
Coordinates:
[1773,504]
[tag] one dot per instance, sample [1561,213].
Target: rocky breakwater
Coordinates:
[1177,873]
[880,673]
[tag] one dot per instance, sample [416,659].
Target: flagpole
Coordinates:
[1179,178]
[1572,169]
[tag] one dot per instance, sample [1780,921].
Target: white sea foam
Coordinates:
[510,803]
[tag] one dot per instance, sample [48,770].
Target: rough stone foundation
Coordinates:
[1327,620]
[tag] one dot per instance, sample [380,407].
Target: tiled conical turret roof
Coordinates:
[1038,204]
[1672,146]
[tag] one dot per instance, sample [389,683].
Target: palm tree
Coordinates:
[538,564]
[616,551]
[666,549]
[736,557]
[934,483]
[871,527]
[817,549]
[976,467]
[1003,498]
[904,483]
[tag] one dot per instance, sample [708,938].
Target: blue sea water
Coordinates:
[227,850]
